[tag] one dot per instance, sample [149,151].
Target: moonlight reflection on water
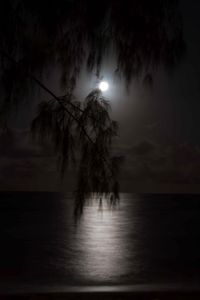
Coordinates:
[148,239]
[101,241]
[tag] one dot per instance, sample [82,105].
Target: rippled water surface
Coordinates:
[150,239]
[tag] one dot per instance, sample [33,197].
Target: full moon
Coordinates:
[103,86]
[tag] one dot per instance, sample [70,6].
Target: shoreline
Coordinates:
[138,291]
[154,295]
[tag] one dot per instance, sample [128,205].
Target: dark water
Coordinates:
[147,239]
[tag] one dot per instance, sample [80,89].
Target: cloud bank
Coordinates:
[26,165]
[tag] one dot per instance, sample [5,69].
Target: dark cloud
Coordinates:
[19,144]
[23,162]
[26,165]
[143,148]
[149,162]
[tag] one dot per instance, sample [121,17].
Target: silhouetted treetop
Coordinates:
[70,33]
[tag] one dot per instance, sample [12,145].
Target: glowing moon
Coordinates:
[103,86]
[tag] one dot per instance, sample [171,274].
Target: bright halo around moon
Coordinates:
[103,86]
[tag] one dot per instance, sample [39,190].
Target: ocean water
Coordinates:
[144,240]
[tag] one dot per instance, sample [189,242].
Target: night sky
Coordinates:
[159,128]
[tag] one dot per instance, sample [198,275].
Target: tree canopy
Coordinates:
[72,34]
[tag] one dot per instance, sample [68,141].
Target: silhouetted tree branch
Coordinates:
[64,122]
